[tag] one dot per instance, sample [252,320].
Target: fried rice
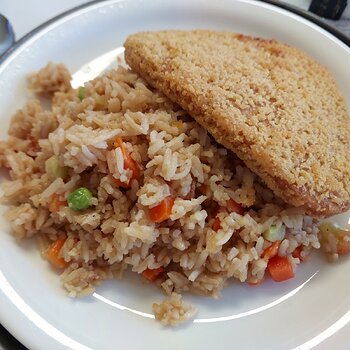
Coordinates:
[199,247]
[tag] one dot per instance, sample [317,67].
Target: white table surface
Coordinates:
[25,15]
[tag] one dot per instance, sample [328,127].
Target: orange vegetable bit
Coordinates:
[280,268]
[234,207]
[217,210]
[152,274]
[231,207]
[162,211]
[216,224]
[56,204]
[121,183]
[297,253]
[202,189]
[343,247]
[271,251]
[119,143]
[34,143]
[129,163]
[52,254]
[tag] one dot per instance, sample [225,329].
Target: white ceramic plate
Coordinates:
[312,310]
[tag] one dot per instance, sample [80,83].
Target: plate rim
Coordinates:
[308,16]
[290,8]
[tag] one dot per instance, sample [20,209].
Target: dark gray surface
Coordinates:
[7,35]
[342,24]
[7,342]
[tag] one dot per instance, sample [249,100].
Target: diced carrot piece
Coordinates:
[56,204]
[271,251]
[152,274]
[34,143]
[216,224]
[121,183]
[234,207]
[280,268]
[118,142]
[162,211]
[129,163]
[202,189]
[231,207]
[217,210]
[343,247]
[297,253]
[52,254]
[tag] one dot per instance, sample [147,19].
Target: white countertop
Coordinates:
[25,15]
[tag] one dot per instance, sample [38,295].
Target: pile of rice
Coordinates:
[176,157]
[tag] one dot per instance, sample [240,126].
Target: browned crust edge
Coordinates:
[290,193]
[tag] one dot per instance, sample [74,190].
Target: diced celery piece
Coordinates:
[81,93]
[275,233]
[53,169]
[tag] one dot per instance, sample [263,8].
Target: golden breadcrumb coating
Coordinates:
[271,104]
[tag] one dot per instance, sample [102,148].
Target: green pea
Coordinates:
[79,199]
[81,93]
